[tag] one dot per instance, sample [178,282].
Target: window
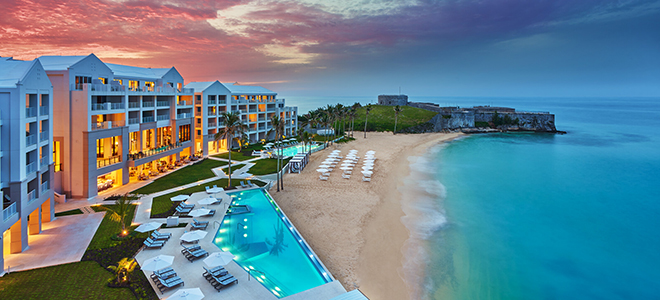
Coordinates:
[80,80]
[184,133]
[222,97]
[56,156]
[121,82]
[134,84]
[198,97]
[179,85]
[211,97]
[149,85]
[115,146]
[133,136]
[103,80]
[99,148]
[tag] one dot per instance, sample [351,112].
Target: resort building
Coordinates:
[26,131]
[255,104]
[115,123]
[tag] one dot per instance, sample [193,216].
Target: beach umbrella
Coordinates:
[371,152]
[148,226]
[187,294]
[335,151]
[322,170]
[157,262]
[207,201]
[193,235]
[367,173]
[199,212]
[216,190]
[218,259]
[180,198]
[346,168]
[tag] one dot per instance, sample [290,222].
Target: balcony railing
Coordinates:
[162,103]
[150,152]
[222,101]
[44,186]
[184,102]
[43,136]
[162,117]
[104,162]
[213,124]
[108,106]
[187,91]
[9,212]
[148,104]
[253,110]
[147,119]
[31,167]
[108,124]
[30,112]
[211,112]
[133,104]
[198,102]
[261,119]
[212,102]
[44,110]
[271,109]
[31,196]
[132,121]
[198,113]
[184,116]
[30,140]
[43,161]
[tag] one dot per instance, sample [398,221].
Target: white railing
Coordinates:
[43,161]
[184,102]
[106,87]
[253,110]
[108,106]
[132,121]
[133,104]
[162,117]
[31,167]
[211,112]
[271,109]
[30,140]
[212,102]
[187,91]
[213,124]
[147,119]
[30,112]
[184,116]
[148,104]
[222,101]
[44,186]
[163,103]
[43,136]
[44,110]
[108,124]
[9,212]
[31,196]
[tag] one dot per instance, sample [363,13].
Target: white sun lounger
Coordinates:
[346,176]
[321,177]
[366,179]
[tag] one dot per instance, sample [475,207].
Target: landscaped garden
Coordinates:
[192,173]
[267,166]
[236,155]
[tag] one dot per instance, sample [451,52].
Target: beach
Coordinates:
[356,227]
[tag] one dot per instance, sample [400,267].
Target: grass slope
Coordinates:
[192,173]
[267,166]
[108,228]
[235,156]
[381,118]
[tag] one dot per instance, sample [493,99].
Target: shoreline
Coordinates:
[357,228]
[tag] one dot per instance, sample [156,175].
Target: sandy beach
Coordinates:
[354,226]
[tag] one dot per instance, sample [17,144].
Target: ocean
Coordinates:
[538,216]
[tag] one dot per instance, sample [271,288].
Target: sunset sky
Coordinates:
[361,47]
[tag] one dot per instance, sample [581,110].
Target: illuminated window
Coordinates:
[103,80]
[133,84]
[56,156]
[99,148]
[235,97]
[121,82]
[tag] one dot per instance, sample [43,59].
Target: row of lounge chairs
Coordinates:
[183,208]
[249,184]
[157,240]
[193,253]
[166,279]
[197,225]
[219,277]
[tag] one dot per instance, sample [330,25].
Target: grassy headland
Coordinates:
[381,118]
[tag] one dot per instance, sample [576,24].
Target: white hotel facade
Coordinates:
[26,131]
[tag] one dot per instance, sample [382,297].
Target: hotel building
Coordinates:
[115,122]
[255,104]
[26,131]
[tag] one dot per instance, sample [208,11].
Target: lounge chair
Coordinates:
[250,183]
[191,248]
[215,272]
[184,205]
[243,185]
[321,177]
[207,190]
[163,274]
[164,285]
[346,176]
[156,237]
[195,226]
[182,211]
[153,240]
[220,284]
[149,244]
[161,234]
[194,255]
[366,179]
[200,222]
[347,171]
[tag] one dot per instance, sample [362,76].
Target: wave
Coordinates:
[424,216]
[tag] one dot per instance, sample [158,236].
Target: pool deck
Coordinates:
[191,273]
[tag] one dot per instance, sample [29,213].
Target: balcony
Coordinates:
[270,109]
[212,102]
[162,117]
[150,152]
[184,116]
[198,113]
[31,196]
[44,187]
[108,125]
[211,112]
[133,104]
[213,124]
[147,119]
[222,101]
[198,102]
[253,110]
[132,121]
[30,140]
[43,136]
[9,212]
[44,110]
[184,103]
[30,112]
[148,104]
[31,167]
[261,119]
[107,106]
[104,162]
[162,103]
[187,91]
[43,161]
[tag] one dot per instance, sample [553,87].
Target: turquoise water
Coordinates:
[542,216]
[266,244]
[293,150]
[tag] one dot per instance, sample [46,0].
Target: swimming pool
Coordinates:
[293,150]
[267,245]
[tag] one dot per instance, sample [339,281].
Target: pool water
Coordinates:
[291,151]
[269,247]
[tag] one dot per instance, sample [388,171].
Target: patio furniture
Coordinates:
[195,255]
[215,272]
[250,183]
[200,222]
[157,237]
[195,226]
[191,248]
[150,244]
[164,285]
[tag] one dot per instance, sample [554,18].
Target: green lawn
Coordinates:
[108,228]
[69,212]
[162,204]
[80,280]
[235,156]
[192,173]
[381,118]
[266,166]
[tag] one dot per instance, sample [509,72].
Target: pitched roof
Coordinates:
[236,88]
[13,71]
[58,63]
[130,71]
[200,86]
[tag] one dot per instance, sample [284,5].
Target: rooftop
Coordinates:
[57,63]
[12,71]
[140,72]
[200,86]
[236,88]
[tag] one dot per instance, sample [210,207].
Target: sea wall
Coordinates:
[393,100]
[527,121]
[453,120]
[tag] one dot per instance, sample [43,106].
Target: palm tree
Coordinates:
[233,127]
[306,138]
[367,109]
[123,269]
[277,124]
[120,210]
[397,110]
[353,113]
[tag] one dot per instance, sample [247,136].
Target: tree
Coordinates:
[306,138]
[277,129]
[397,110]
[123,269]
[119,211]
[353,113]
[233,127]
[367,109]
